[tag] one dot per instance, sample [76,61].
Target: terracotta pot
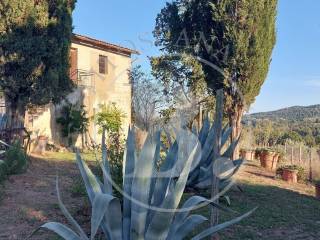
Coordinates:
[247,154]
[290,175]
[257,154]
[269,160]
[317,186]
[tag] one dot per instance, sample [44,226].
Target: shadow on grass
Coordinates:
[261,175]
[282,214]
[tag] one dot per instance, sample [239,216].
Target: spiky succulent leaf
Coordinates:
[204,131]
[66,213]
[108,207]
[141,187]
[128,171]
[213,230]
[90,181]
[107,183]
[188,226]
[62,230]
[160,224]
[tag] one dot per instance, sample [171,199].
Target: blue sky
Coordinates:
[294,77]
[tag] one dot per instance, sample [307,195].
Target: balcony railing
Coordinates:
[83,78]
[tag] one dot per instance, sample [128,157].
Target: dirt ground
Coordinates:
[29,200]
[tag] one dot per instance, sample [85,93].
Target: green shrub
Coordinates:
[16,159]
[73,120]
[110,119]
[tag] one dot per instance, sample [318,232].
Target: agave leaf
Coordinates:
[192,204]
[107,184]
[226,135]
[90,181]
[164,177]
[160,223]
[63,231]
[188,226]
[231,170]
[93,187]
[4,143]
[65,212]
[207,147]
[155,161]
[194,129]
[213,230]
[105,205]
[99,207]
[114,219]
[228,153]
[224,130]
[204,131]
[204,184]
[141,187]
[128,171]
[227,198]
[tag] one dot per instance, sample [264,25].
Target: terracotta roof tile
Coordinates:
[76,38]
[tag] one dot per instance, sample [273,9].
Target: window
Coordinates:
[103,67]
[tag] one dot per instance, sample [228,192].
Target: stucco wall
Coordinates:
[113,87]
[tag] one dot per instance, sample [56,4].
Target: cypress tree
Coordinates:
[35,38]
[234,39]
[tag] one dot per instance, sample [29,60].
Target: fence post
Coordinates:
[310,166]
[292,155]
[285,148]
[300,155]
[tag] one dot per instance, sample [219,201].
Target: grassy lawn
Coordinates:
[282,214]
[68,156]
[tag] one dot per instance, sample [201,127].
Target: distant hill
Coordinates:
[296,113]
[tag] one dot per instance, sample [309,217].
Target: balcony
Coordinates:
[83,78]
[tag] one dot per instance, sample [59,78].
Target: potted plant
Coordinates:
[247,154]
[257,153]
[269,159]
[292,173]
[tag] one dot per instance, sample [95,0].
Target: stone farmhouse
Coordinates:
[100,71]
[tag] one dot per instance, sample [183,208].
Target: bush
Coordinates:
[73,120]
[16,159]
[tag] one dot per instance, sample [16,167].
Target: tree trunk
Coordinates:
[235,121]
[15,122]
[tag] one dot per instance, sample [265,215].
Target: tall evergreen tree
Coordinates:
[35,39]
[233,39]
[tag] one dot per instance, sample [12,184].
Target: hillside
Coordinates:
[296,113]
[297,124]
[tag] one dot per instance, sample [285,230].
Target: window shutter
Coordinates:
[103,64]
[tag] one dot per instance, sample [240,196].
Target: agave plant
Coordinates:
[151,197]
[201,175]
